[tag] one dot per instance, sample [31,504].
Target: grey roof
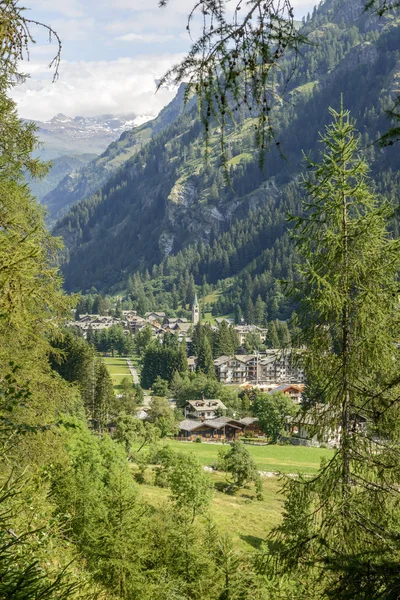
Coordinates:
[218,423]
[206,404]
[245,357]
[221,360]
[249,420]
[141,414]
[183,326]
[190,425]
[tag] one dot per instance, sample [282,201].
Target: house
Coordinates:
[278,366]
[252,427]
[221,428]
[220,320]
[319,425]
[243,330]
[97,323]
[155,316]
[137,323]
[204,409]
[294,391]
[231,369]
[171,321]
[192,363]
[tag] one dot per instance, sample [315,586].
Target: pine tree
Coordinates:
[259,311]
[223,342]
[350,320]
[205,362]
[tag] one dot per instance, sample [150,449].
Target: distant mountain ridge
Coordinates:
[64,135]
[79,185]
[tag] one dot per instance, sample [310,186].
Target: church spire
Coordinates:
[195,310]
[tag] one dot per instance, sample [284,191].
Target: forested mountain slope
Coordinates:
[60,167]
[165,198]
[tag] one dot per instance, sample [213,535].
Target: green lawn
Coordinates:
[249,521]
[286,459]
[118,369]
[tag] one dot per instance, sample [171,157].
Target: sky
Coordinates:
[113,52]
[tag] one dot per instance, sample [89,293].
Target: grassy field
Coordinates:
[286,459]
[249,521]
[118,369]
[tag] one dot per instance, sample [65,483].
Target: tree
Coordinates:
[272,410]
[127,402]
[259,312]
[104,397]
[348,289]
[205,361]
[160,387]
[223,342]
[131,431]
[162,415]
[272,336]
[142,339]
[195,387]
[238,463]
[191,487]
[253,342]
[233,59]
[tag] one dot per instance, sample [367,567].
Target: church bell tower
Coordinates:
[195,311]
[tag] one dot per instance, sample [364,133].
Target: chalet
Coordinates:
[252,427]
[170,321]
[220,320]
[316,426]
[128,314]
[192,363]
[221,428]
[97,323]
[294,391]
[155,316]
[137,323]
[204,409]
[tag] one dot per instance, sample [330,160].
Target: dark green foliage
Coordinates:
[241,468]
[160,361]
[347,515]
[205,360]
[76,361]
[272,410]
[160,387]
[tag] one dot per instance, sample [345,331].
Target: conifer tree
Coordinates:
[223,342]
[349,315]
[205,362]
[259,311]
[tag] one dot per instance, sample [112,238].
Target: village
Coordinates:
[267,371]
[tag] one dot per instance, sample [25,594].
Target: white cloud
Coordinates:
[146,38]
[92,88]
